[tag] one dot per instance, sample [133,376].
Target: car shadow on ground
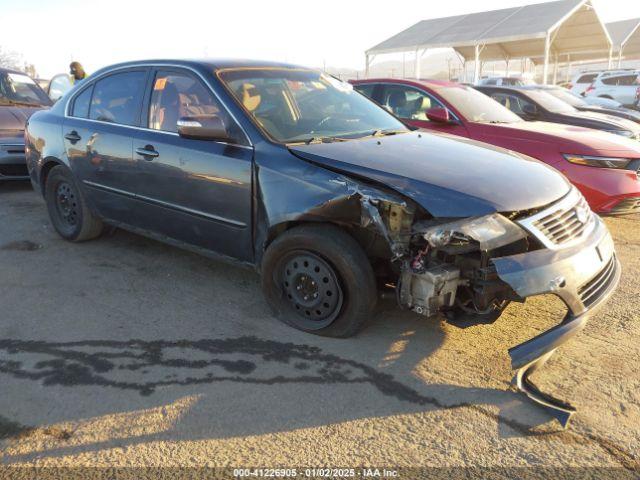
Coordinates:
[184,368]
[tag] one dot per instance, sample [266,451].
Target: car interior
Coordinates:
[177,96]
[407,103]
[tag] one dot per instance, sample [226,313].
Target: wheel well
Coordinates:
[368,241]
[607,97]
[44,172]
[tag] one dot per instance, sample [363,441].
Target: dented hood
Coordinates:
[448,176]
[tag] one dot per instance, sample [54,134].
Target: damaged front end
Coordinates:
[468,269]
[472,268]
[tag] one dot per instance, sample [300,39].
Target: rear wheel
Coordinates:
[317,279]
[68,209]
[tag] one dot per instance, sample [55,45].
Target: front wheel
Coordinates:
[316,278]
[68,209]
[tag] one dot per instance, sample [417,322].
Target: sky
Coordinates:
[334,33]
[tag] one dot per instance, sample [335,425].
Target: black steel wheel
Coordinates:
[67,204]
[317,278]
[68,209]
[311,286]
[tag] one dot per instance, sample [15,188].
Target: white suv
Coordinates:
[621,86]
[582,81]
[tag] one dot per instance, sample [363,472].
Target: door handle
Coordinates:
[73,136]
[148,152]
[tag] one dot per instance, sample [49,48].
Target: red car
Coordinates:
[605,167]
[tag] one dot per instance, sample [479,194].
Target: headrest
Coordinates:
[397,100]
[250,96]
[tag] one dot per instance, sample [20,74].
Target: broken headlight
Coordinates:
[491,231]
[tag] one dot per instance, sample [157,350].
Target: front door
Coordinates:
[411,104]
[200,190]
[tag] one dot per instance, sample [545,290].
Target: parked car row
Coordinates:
[604,167]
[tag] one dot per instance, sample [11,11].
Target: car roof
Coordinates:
[410,81]
[10,70]
[207,63]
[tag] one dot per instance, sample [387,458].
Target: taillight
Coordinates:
[638,95]
[590,88]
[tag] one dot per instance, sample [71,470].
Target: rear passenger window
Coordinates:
[587,78]
[81,104]
[628,80]
[117,98]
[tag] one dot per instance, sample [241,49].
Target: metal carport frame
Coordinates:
[559,28]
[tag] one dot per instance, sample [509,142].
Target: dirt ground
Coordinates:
[126,352]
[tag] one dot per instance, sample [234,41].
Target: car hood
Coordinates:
[15,117]
[602,121]
[567,138]
[448,176]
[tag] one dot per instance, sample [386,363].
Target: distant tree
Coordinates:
[11,59]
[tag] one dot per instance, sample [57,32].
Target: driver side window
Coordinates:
[408,102]
[513,103]
[177,95]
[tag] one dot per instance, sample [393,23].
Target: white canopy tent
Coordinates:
[625,36]
[547,30]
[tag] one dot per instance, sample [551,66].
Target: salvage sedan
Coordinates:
[326,194]
[20,97]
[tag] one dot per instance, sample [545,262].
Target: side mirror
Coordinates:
[530,110]
[203,127]
[438,115]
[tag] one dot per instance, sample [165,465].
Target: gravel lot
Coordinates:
[127,352]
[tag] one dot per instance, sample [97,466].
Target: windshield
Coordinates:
[567,96]
[303,105]
[476,106]
[548,101]
[16,88]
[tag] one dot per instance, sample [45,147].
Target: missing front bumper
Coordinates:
[531,355]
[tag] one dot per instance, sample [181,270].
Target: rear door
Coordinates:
[200,191]
[411,105]
[98,140]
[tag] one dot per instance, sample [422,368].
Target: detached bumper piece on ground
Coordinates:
[580,289]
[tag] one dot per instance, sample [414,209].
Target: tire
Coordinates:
[316,278]
[68,209]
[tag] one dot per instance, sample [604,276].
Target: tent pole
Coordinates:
[569,65]
[610,58]
[545,68]
[507,69]
[555,70]
[476,66]
[620,57]
[417,67]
